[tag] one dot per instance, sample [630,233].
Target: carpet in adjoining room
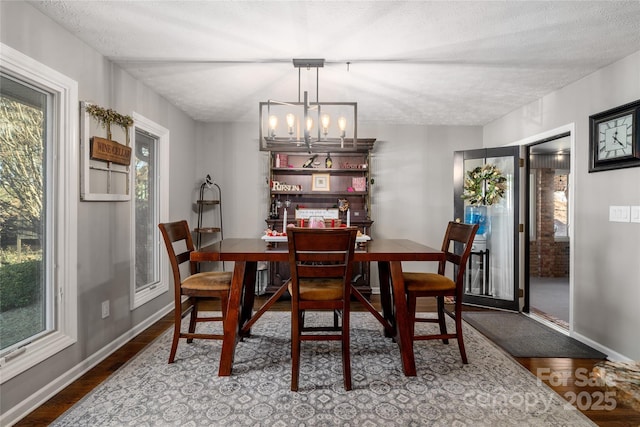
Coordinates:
[521,336]
[492,390]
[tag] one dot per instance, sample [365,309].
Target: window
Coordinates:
[38,220]
[561,205]
[149,207]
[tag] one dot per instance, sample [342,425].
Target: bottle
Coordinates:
[308,163]
[328,162]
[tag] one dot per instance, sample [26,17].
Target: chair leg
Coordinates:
[346,351]
[441,319]
[192,320]
[223,308]
[177,320]
[458,317]
[296,321]
[411,308]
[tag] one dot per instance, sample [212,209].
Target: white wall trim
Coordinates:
[571,129]
[611,354]
[63,214]
[138,298]
[25,407]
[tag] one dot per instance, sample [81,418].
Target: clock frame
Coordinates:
[614,138]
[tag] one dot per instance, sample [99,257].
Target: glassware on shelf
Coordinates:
[316,222]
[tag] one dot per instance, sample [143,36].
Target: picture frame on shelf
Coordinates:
[320,182]
[614,138]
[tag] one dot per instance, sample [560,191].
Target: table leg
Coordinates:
[385,294]
[232,322]
[403,336]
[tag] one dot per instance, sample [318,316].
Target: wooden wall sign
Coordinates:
[110,151]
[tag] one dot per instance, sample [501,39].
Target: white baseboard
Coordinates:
[25,407]
[611,355]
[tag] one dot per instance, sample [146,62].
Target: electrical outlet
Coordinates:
[619,213]
[105,309]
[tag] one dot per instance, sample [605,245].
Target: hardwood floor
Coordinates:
[573,387]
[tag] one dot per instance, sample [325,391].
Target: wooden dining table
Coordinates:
[246,253]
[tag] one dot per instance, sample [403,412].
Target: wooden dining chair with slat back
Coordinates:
[199,287]
[321,262]
[457,244]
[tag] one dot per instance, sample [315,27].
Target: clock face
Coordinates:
[615,138]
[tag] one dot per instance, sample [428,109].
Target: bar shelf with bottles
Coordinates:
[320,180]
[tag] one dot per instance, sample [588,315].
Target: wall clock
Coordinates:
[614,138]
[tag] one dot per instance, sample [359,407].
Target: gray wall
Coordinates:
[412,166]
[607,254]
[104,255]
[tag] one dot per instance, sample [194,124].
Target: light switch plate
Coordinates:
[619,213]
[635,213]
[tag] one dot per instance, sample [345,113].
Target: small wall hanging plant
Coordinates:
[107,116]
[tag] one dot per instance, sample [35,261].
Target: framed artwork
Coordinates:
[320,182]
[614,138]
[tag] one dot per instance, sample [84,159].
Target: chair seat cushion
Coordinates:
[208,281]
[322,289]
[416,282]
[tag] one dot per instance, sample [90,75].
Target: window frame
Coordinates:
[148,293]
[62,208]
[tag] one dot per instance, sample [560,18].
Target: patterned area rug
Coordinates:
[492,390]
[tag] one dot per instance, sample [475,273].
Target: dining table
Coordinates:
[245,253]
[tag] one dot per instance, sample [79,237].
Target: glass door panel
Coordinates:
[492,270]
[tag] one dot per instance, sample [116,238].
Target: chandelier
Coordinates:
[305,124]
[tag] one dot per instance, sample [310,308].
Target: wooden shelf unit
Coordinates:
[286,170]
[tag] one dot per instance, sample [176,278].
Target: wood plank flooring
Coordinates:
[573,388]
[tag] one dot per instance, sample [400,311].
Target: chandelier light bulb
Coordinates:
[309,124]
[342,124]
[273,123]
[326,120]
[291,120]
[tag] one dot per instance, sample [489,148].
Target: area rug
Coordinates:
[521,336]
[492,390]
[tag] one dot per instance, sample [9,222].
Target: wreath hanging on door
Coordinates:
[484,185]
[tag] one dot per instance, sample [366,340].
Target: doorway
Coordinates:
[548,243]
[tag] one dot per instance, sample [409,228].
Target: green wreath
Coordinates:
[484,185]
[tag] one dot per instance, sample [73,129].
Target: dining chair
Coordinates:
[457,243]
[198,287]
[321,262]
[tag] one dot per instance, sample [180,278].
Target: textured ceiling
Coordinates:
[417,62]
